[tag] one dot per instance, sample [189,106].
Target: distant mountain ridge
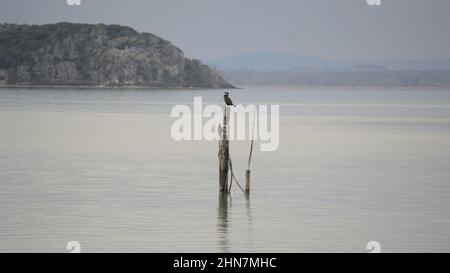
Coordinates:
[271,69]
[97,55]
[418,65]
[266,61]
[347,79]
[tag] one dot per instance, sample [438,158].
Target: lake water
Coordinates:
[100,167]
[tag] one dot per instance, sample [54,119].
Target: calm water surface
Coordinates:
[100,167]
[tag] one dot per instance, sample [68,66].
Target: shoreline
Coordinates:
[100,87]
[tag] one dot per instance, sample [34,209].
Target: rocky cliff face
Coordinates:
[97,55]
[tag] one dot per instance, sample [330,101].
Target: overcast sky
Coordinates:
[346,30]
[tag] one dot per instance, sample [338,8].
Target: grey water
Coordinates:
[100,167]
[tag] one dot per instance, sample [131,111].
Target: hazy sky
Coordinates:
[207,29]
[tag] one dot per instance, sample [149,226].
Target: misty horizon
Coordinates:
[296,61]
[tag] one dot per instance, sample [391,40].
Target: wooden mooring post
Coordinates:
[225,160]
[247,172]
[247,182]
[224,153]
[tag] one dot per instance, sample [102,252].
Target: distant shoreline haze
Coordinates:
[270,61]
[277,69]
[340,79]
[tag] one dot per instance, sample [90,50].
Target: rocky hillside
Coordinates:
[97,55]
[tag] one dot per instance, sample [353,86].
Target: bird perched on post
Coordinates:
[227,99]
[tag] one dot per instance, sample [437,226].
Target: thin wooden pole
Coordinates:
[247,182]
[247,173]
[224,153]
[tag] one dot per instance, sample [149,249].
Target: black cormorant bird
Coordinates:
[227,99]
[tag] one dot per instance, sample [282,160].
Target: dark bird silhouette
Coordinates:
[227,99]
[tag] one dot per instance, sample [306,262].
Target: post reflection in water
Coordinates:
[222,228]
[243,222]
